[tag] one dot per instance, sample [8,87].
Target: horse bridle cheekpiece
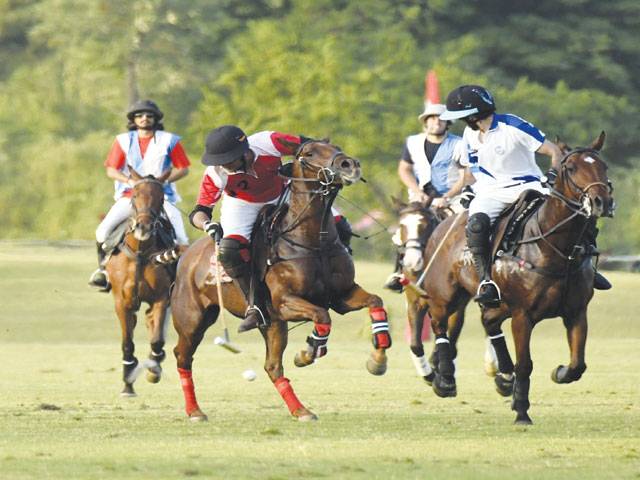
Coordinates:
[148,212]
[583,205]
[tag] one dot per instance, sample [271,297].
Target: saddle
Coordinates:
[509,226]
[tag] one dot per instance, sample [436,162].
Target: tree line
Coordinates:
[352,71]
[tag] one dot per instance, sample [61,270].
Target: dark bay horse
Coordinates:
[309,272]
[548,275]
[416,224]
[135,278]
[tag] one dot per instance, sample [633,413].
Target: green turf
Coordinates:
[61,415]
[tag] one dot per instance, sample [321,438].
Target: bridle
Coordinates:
[582,205]
[420,242]
[579,207]
[327,191]
[152,214]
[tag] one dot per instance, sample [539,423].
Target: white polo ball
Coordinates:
[249,375]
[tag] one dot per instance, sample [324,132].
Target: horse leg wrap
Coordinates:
[157,356]
[446,368]
[505,364]
[128,366]
[318,339]
[380,327]
[520,401]
[418,351]
[422,366]
[186,380]
[286,392]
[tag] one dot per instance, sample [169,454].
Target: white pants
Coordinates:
[121,210]
[492,199]
[238,216]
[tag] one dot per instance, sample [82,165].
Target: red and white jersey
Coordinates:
[265,186]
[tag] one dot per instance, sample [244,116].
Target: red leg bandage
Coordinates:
[380,327]
[186,380]
[286,392]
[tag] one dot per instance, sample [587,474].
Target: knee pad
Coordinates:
[478,230]
[234,256]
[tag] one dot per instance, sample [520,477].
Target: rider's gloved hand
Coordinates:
[550,177]
[214,230]
[466,196]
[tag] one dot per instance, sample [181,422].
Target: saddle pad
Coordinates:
[211,274]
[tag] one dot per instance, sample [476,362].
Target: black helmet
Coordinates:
[224,145]
[467,101]
[144,106]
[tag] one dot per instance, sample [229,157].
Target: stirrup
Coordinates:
[253,318]
[490,302]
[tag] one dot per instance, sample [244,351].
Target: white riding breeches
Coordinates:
[121,210]
[492,199]
[238,216]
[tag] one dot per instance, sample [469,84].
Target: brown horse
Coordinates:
[416,224]
[135,278]
[309,272]
[549,274]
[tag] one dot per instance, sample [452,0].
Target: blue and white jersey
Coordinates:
[506,154]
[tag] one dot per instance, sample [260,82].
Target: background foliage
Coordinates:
[349,70]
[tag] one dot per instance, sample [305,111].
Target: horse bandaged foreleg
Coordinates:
[186,381]
[505,364]
[380,327]
[318,339]
[288,395]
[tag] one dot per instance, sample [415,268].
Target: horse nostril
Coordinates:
[598,202]
[345,164]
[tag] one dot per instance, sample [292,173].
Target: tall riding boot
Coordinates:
[99,278]
[599,281]
[478,231]
[394,281]
[345,233]
[255,316]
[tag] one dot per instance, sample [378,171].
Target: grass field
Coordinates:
[61,415]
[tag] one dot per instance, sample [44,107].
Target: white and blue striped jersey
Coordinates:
[506,154]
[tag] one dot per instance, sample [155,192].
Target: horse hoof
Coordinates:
[522,419]
[504,384]
[128,392]
[303,359]
[198,416]
[376,368]
[153,377]
[444,387]
[560,374]
[490,368]
[304,415]
[429,378]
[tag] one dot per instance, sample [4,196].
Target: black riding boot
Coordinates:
[345,233]
[256,315]
[590,234]
[478,231]
[99,278]
[394,281]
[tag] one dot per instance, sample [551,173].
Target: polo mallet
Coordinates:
[415,287]
[223,341]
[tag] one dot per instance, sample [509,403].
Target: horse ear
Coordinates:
[397,204]
[135,175]
[599,142]
[164,175]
